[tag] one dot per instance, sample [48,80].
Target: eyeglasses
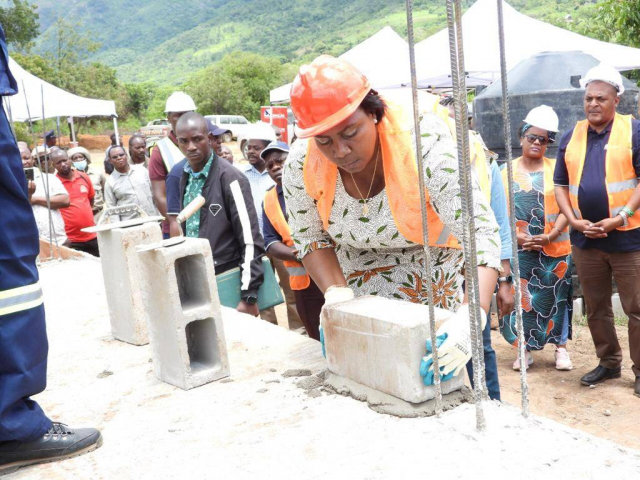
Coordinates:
[532,139]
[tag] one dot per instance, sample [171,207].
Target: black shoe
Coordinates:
[59,443]
[600,374]
[636,389]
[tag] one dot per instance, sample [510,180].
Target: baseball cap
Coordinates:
[278,146]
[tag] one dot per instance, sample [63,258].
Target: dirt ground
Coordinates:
[609,410]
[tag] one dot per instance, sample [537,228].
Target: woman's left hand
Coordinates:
[537,242]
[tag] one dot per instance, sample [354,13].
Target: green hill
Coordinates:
[164,41]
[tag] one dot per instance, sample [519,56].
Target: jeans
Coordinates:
[490,363]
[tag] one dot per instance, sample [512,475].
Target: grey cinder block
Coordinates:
[185,329]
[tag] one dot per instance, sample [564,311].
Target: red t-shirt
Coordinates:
[79,214]
[158,170]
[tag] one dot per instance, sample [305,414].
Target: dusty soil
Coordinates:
[609,410]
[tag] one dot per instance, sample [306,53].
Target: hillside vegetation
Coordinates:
[165,41]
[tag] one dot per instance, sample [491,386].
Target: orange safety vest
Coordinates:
[561,246]
[620,176]
[298,276]
[400,177]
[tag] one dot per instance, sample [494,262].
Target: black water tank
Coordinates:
[548,78]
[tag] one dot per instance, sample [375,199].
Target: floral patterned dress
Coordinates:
[375,257]
[545,281]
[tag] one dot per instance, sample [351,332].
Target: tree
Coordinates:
[239,84]
[622,19]
[20,24]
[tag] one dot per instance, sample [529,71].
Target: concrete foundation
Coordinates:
[379,343]
[123,280]
[186,332]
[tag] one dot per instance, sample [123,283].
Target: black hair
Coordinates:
[526,126]
[374,105]
[446,101]
[134,136]
[115,146]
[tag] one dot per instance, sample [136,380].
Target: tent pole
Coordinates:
[8,108]
[73,130]
[115,128]
[58,127]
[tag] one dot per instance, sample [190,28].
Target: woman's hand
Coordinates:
[603,227]
[537,242]
[522,238]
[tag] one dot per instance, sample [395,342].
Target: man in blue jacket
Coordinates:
[27,436]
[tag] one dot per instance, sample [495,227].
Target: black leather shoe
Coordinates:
[636,389]
[600,374]
[59,443]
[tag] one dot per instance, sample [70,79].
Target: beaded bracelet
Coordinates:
[628,211]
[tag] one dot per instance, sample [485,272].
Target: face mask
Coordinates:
[82,166]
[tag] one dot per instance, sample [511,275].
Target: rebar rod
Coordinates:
[454,24]
[515,271]
[423,204]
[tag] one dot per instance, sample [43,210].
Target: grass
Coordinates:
[581,320]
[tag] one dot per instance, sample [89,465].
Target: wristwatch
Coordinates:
[507,279]
[250,299]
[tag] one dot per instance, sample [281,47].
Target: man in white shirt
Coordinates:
[58,198]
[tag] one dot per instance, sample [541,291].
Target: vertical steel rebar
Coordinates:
[515,271]
[454,23]
[423,203]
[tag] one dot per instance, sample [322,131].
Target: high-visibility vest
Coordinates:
[561,246]
[20,298]
[401,182]
[298,277]
[170,153]
[620,176]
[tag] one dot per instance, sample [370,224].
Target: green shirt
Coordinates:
[195,182]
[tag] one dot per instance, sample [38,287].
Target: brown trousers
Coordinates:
[596,269]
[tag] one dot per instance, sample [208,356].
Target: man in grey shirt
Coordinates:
[128,185]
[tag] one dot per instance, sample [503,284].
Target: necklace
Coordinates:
[365,200]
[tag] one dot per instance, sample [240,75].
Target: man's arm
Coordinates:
[56,201]
[159,192]
[247,231]
[158,176]
[273,241]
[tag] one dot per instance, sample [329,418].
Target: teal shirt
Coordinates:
[195,183]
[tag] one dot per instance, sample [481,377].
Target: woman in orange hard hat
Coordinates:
[352,194]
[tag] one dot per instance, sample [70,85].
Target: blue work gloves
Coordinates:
[426,365]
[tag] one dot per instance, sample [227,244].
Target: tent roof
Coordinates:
[524,37]
[57,102]
[383,58]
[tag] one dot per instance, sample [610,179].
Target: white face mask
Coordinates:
[82,165]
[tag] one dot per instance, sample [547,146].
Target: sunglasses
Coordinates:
[532,139]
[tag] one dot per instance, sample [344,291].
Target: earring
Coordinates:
[375,120]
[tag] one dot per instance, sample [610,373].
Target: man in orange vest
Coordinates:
[596,179]
[279,244]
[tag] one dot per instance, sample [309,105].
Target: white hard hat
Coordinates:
[38,151]
[261,131]
[180,102]
[604,73]
[543,117]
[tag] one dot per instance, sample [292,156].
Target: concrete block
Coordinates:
[123,281]
[185,329]
[617,306]
[578,306]
[380,342]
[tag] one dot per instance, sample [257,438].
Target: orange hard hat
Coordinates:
[325,93]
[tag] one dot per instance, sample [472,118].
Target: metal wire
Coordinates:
[515,271]
[423,205]
[454,23]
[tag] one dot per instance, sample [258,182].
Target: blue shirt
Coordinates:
[269,233]
[174,202]
[259,183]
[500,210]
[592,194]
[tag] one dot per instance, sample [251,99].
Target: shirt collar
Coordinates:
[116,174]
[250,167]
[202,173]
[279,189]
[606,130]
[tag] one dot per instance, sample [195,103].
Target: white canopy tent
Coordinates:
[383,58]
[524,37]
[34,93]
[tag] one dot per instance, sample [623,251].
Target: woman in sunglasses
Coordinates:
[544,251]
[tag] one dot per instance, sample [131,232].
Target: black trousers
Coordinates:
[90,247]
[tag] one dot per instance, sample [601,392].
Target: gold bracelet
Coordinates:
[548,239]
[337,285]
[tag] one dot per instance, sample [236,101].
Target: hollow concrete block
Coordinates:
[380,342]
[123,280]
[578,306]
[185,328]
